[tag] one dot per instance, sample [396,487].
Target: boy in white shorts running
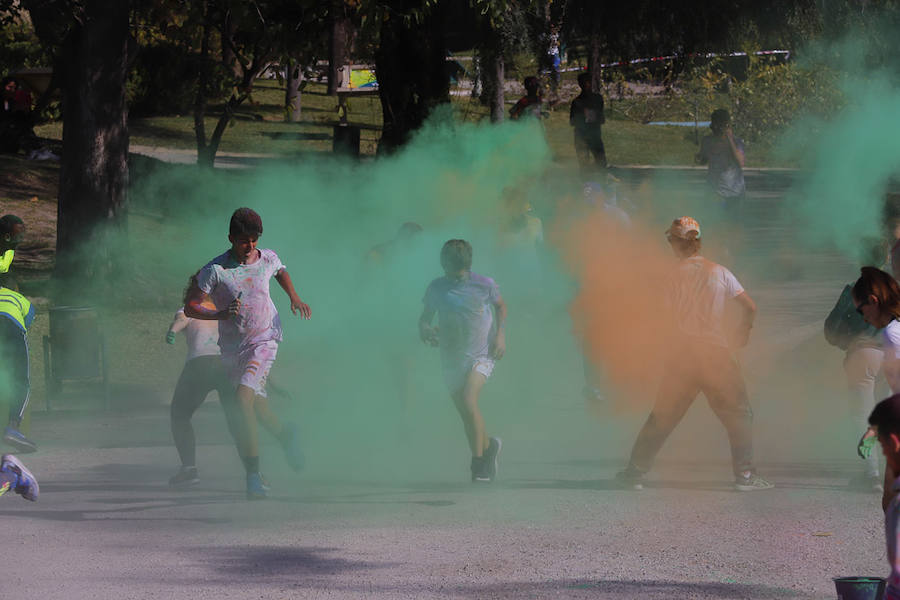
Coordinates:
[249,334]
[470,334]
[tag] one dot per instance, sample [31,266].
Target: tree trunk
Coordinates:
[496,78]
[203,91]
[292,92]
[412,76]
[595,46]
[93,179]
[339,44]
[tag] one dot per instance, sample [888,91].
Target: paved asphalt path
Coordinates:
[553,526]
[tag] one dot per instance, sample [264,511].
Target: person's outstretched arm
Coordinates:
[178,323]
[297,305]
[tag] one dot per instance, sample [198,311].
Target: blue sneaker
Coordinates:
[255,488]
[27,485]
[17,439]
[290,443]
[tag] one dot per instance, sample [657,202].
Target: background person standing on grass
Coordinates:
[724,154]
[587,118]
[249,334]
[701,360]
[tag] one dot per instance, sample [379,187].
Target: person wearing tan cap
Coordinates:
[702,360]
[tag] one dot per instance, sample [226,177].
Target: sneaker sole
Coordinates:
[753,488]
[184,484]
[36,490]
[497,457]
[21,446]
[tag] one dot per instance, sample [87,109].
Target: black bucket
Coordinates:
[75,339]
[860,588]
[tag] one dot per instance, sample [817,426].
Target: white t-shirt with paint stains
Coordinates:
[224,279]
[697,294]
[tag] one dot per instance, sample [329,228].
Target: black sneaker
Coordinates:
[630,478]
[480,472]
[491,457]
[186,476]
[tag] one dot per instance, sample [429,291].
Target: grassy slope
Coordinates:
[260,128]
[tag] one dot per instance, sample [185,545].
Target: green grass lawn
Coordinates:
[260,128]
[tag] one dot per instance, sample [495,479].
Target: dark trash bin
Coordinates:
[75,350]
[346,140]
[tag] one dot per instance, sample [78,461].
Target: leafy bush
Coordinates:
[772,97]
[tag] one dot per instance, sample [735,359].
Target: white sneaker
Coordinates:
[751,483]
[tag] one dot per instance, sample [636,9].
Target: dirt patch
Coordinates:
[29,189]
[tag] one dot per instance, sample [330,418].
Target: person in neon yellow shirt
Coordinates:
[16,316]
[12,232]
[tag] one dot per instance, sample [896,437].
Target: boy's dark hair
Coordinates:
[584,77]
[886,416]
[245,221]
[456,255]
[531,84]
[719,119]
[7,222]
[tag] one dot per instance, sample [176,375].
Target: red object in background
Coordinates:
[22,101]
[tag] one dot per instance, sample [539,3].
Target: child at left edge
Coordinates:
[471,336]
[885,419]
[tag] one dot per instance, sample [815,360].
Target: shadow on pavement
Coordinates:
[263,562]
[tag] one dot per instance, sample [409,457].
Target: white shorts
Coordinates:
[456,375]
[251,366]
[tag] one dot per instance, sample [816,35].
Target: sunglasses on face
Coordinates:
[859,308]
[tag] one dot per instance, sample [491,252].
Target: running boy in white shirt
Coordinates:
[701,360]
[249,334]
[471,336]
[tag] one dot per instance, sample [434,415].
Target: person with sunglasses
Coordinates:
[876,295]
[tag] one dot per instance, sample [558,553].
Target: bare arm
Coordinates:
[747,316]
[178,323]
[427,333]
[194,308]
[498,346]
[284,280]
[735,151]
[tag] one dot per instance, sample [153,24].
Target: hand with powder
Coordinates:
[867,442]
